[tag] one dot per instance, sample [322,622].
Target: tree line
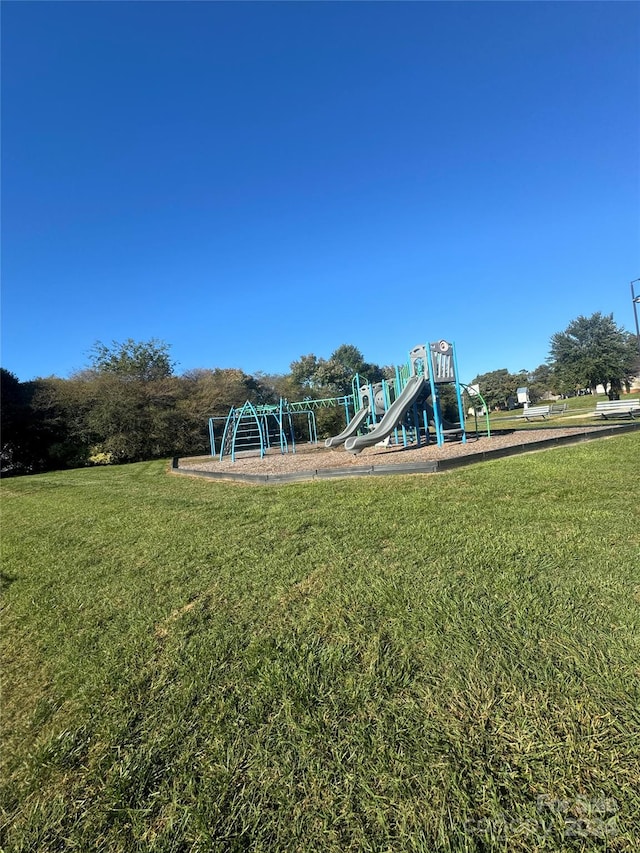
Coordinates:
[129,404]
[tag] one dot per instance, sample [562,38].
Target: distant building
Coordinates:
[634,387]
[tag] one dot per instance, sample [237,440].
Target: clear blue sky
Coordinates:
[251,182]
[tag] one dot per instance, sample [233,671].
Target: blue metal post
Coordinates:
[292,431]
[225,433]
[212,437]
[459,396]
[283,438]
[435,400]
[416,422]
[425,420]
[372,404]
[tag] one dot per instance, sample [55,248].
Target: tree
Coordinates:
[214,392]
[593,351]
[497,386]
[131,420]
[276,385]
[39,425]
[333,376]
[128,401]
[342,366]
[15,451]
[540,382]
[142,360]
[304,372]
[59,410]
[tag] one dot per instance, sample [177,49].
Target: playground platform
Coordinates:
[316,462]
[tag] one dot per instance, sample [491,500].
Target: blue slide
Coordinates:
[392,417]
[352,427]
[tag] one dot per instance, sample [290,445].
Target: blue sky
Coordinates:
[251,182]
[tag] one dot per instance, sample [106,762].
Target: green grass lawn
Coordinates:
[426,663]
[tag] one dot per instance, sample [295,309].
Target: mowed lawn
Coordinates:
[425,663]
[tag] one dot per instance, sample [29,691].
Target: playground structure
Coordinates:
[418,403]
[404,411]
[370,403]
[259,427]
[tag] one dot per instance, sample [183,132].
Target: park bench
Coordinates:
[617,408]
[558,408]
[536,412]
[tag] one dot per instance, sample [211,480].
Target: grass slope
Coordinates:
[394,664]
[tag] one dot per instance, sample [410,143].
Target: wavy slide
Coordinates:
[354,424]
[392,417]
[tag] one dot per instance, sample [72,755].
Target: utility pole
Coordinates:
[635,300]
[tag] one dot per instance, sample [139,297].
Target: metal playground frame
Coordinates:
[402,411]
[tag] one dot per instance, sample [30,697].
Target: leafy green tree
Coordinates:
[145,361]
[126,404]
[276,385]
[540,382]
[593,351]
[214,392]
[15,425]
[342,366]
[333,376]
[497,386]
[39,426]
[129,421]
[59,409]
[349,358]
[304,373]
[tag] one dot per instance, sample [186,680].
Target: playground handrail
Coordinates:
[484,405]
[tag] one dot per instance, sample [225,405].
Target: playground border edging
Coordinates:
[431,467]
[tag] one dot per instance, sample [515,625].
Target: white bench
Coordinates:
[536,412]
[617,408]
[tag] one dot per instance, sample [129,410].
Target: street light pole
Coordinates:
[635,300]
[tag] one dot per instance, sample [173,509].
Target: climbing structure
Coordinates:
[242,429]
[254,428]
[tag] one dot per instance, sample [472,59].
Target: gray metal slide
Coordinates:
[392,417]
[354,424]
